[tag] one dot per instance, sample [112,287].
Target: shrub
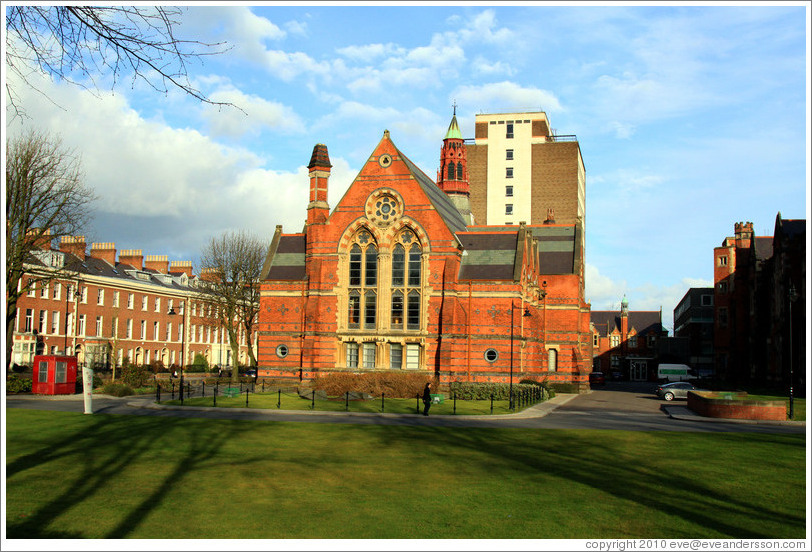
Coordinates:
[564,387]
[483,391]
[402,385]
[135,376]
[199,364]
[18,368]
[117,389]
[16,384]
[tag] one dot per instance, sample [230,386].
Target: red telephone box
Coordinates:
[54,375]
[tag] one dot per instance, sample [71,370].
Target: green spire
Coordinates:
[453,130]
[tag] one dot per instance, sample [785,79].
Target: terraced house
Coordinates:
[399,277]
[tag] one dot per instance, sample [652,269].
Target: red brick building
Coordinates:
[102,310]
[627,342]
[395,278]
[759,281]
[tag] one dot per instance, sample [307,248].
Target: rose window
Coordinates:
[384,207]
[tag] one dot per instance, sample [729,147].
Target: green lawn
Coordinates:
[291,401]
[71,475]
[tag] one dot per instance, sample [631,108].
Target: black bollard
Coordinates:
[203,392]
[279,399]
[491,403]
[173,390]
[246,396]
[382,406]
[214,395]
[158,393]
[313,400]
[455,402]
[347,401]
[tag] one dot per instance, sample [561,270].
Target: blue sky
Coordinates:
[689,119]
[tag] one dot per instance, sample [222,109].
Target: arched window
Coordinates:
[459,171]
[414,265]
[371,266]
[451,171]
[363,282]
[407,272]
[552,360]
[398,265]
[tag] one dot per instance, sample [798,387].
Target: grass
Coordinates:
[798,405]
[75,476]
[292,401]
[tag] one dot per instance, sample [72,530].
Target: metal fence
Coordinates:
[522,398]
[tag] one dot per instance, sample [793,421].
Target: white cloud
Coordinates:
[601,291]
[148,171]
[505,96]
[244,32]
[296,28]
[254,114]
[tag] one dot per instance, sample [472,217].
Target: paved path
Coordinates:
[621,407]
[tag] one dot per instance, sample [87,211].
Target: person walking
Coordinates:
[426,399]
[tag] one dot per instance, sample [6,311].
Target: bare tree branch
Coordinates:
[229,279]
[78,43]
[45,200]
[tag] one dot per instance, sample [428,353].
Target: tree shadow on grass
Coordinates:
[104,450]
[603,461]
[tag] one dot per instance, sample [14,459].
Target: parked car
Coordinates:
[597,378]
[676,390]
[251,373]
[617,375]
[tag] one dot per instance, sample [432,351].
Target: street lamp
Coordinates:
[793,296]
[182,347]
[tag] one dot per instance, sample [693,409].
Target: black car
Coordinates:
[597,378]
[251,373]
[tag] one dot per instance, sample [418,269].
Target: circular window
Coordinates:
[491,355]
[282,351]
[384,206]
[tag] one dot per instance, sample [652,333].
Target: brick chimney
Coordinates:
[158,263]
[40,239]
[318,209]
[132,257]
[73,244]
[104,251]
[177,267]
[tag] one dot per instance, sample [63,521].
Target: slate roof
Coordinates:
[641,321]
[91,266]
[288,262]
[446,209]
[556,246]
[763,247]
[487,255]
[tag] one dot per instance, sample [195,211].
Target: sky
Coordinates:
[690,118]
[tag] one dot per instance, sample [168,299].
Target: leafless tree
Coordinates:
[229,280]
[78,43]
[45,200]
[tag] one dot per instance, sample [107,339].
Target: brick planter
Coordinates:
[735,405]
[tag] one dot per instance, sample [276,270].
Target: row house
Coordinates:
[105,306]
[626,342]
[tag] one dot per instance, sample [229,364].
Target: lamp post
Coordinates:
[793,296]
[182,346]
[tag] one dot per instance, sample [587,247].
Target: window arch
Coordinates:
[406,283]
[362,307]
[451,171]
[459,171]
[552,360]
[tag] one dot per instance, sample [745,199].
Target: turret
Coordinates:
[452,176]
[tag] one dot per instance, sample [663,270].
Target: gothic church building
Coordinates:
[398,277]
